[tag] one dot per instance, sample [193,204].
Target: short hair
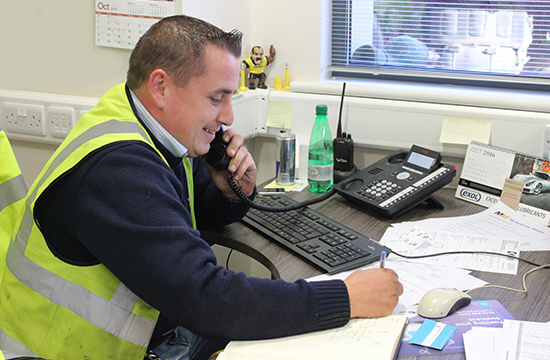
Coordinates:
[176,45]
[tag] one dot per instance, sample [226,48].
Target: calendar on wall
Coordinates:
[486,168]
[121,23]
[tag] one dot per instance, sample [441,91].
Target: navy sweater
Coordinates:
[123,207]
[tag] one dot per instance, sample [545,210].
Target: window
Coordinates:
[462,42]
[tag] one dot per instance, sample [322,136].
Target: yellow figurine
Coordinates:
[256,64]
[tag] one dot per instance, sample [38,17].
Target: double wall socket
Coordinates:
[23,118]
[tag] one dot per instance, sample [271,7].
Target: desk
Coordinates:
[535,306]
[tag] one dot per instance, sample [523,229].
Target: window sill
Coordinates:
[436,94]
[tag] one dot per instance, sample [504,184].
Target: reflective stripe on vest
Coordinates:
[12,185]
[12,191]
[15,346]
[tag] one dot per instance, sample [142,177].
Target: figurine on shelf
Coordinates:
[256,64]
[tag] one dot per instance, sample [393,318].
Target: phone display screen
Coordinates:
[420,160]
[423,159]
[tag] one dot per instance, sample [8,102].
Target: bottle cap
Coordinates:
[321,110]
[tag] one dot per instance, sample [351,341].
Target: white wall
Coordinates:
[49,47]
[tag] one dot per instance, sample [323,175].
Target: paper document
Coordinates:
[417,279]
[498,221]
[482,343]
[524,340]
[414,241]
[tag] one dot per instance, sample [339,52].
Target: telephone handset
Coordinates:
[217,158]
[217,155]
[399,182]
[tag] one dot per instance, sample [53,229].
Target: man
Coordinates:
[112,265]
[256,64]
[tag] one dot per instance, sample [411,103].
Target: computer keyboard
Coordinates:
[321,241]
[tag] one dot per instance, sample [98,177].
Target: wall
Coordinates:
[49,47]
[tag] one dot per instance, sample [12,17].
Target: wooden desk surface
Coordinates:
[534,306]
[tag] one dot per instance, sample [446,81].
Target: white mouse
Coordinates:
[440,302]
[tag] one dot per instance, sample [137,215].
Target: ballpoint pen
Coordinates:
[382,259]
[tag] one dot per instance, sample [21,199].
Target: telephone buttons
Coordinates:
[378,190]
[403,175]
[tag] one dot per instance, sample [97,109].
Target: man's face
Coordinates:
[257,55]
[195,112]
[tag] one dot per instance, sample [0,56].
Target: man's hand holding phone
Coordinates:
[241,166]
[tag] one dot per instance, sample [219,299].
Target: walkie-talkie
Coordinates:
[343,144]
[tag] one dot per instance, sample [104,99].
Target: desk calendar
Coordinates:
[121,23]
[486,167]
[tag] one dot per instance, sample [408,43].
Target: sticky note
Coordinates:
[287,188]
[463,129]
[433,334]
[279,114]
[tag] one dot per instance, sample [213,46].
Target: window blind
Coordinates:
[496,43]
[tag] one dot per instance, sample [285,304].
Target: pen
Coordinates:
[382,259]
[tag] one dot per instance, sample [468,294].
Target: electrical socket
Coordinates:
[23,118]
[60,121]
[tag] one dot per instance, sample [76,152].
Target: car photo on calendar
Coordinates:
[535,182]
[534,173]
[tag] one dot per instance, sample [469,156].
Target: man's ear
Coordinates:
[157,87]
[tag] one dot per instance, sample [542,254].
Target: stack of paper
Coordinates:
[498,229]
[515,340]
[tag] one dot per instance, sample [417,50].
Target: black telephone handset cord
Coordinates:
[261,207]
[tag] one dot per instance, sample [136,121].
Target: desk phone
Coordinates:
[399,182]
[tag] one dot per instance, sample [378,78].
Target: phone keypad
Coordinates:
[379,190]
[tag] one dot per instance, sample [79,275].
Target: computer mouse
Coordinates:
[440,302]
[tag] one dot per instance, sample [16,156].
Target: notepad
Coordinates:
[378,338]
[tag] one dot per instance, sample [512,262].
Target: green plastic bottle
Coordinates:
[320,155]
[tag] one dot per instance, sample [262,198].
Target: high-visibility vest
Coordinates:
[62,311]
[12,193]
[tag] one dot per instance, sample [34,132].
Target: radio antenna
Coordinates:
[339,130]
